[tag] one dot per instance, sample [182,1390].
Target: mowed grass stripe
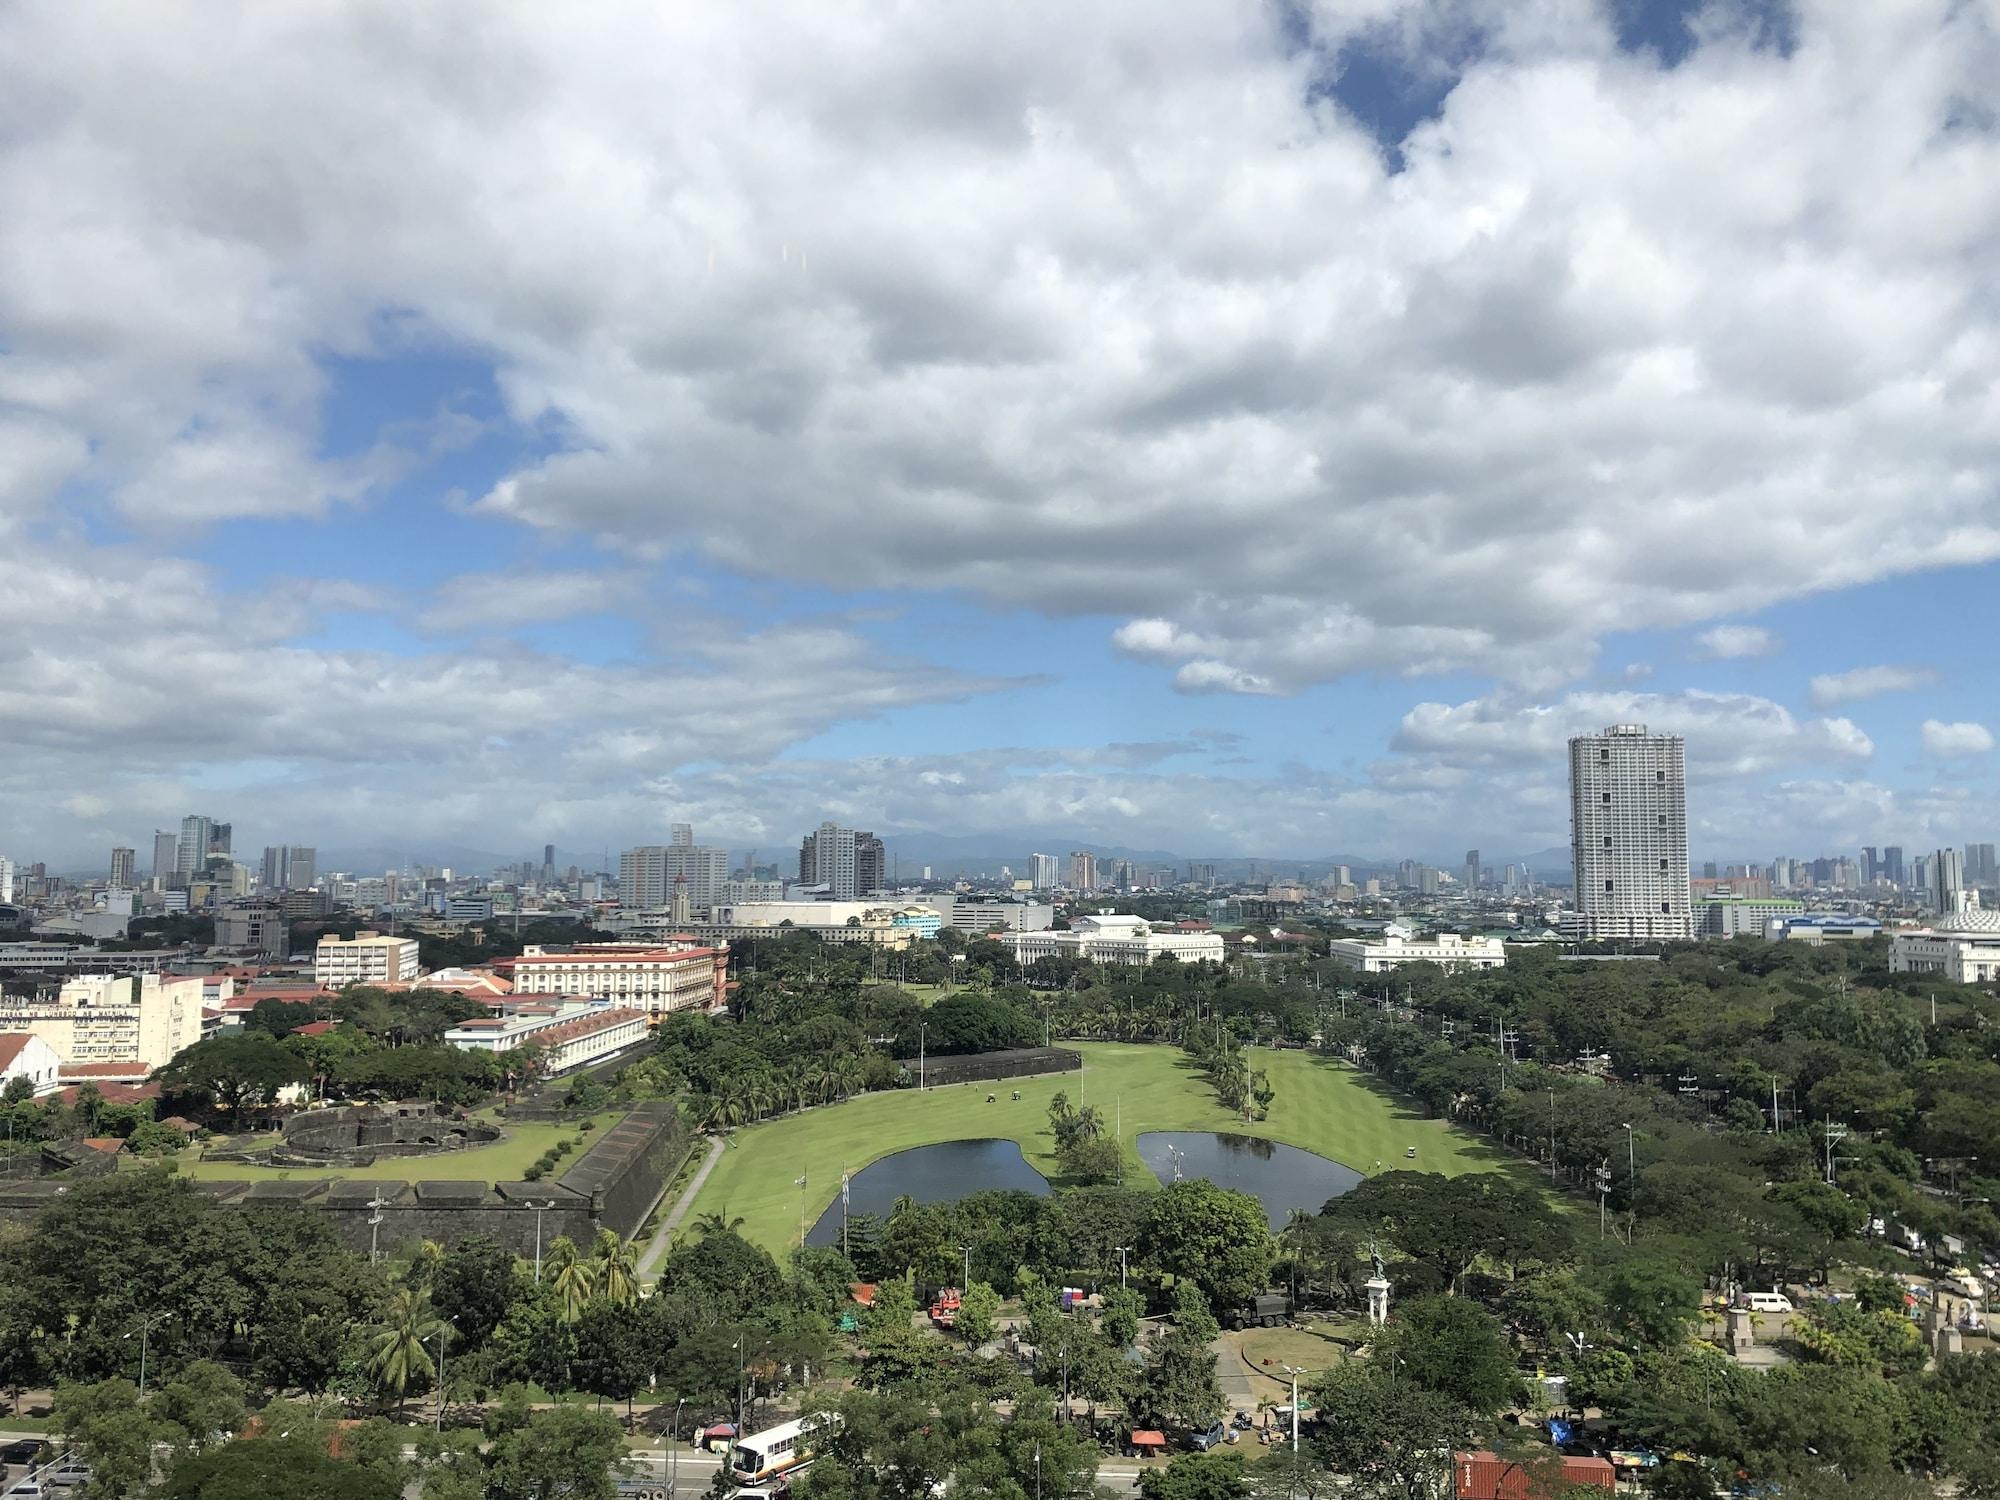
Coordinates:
[1320,1106]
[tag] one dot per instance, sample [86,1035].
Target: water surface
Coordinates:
[1280,1177]
[930,1174]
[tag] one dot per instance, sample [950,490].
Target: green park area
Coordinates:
[1319,1106]
[505,1160]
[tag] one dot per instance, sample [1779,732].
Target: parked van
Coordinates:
[1765,1302]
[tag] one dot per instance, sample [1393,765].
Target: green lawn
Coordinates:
[1319,1106]
[503,1161]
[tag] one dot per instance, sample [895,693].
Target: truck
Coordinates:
[944,1308]
[1271,1311]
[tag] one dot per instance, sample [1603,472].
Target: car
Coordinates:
[22,1451]
[26,1489]
[1207,1438]
[68,1476]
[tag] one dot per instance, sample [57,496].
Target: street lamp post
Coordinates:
[444,1333]
[540,1209]
[1122,1251]
[375,1228]
[966,1251]
[1631,1185]
[146,1323]
[923,1033]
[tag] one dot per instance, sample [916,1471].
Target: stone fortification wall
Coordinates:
[975,1067]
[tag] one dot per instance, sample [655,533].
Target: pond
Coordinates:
[930,1174]
[1280,1177]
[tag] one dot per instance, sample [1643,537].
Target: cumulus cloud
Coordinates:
[1730,642]
[1112,313]
[1951,741]
[1832,688]
[475,601]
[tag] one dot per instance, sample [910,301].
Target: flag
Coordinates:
[843,1190]
[799,1181]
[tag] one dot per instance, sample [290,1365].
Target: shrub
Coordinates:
[534,1173]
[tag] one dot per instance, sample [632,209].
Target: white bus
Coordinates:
[779,1450]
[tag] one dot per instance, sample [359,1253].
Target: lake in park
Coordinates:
[1280,1177]
[930,1174]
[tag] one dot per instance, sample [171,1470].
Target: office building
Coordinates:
[1082,870]
[1947,883]
[201,840]
[1871,865]
[1892,865]
[568,1036]
[1628,835]
[6,878]
[366,958]
[1979,865]
[1044,871]
[98,1018]
[166,857]
[1962,947]
[1112,939]
[258,926]
[1399,945]
[972,914]
[1741,916]
[849,862]
[301,868]
[124,869]
[648,875]
[649,977]
[1472,869]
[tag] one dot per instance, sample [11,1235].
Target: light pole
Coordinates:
[1631,1185]
[146,1322]
[966,1251]
[1552,1135]
[375,1228]
[674,1452]
[444,1333]
[540,1209]
[739,1385]
[923,1033]
[1295,1406]
[1038,1471]
[1122,1251]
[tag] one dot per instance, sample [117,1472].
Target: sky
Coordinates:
[1236,429]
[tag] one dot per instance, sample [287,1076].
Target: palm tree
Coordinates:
[396,1350]
[423,1268]
[617,1268]
[576,1286]
[715,1223]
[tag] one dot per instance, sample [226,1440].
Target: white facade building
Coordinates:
[1398,945]
[1112,939]
[647,875]
[570,1035]
[1963,948]
[971,916]
[367,958]
[96,1018]
[1628,835]
[1742,916]
[648,978]
[25,1055]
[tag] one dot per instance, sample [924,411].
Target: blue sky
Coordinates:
[1268,433]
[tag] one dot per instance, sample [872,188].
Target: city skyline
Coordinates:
[1010,459]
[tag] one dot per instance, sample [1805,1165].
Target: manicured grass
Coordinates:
[1320,1106]
[503,1161]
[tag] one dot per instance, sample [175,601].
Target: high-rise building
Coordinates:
[1628,834]
[201,840]
[301,867]
[1947,887]
[849,862]
[1472,869]
[6,878]
[647,875]
[124,869]
[166,857]
[1871,864]
[1082,870]
[1892,865]
[681,833]
[1979,865]
[277,864]
[1044,871]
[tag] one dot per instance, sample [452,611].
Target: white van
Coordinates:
[1764,1302]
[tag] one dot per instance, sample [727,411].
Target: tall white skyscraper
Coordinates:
[1043,870]
[1628,835]
[124,867]
[6,879]
[647,875]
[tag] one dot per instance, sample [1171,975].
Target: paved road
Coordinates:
[656,1249]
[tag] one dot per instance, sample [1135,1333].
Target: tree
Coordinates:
[201,1405]
[563,1453]
[1120,1319]
[256,1470]
[1177,1384]
[1394,1440]
[1215,1475]
[617,1268]
[978,1307]
[1453,1347]
[1651,1301]
[397,1358]
[1216,1237]
[110,1431]
[1448,1222]
[474,1286]
[615,1352]
[233,1071]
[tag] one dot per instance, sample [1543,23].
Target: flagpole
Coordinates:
[801,1185]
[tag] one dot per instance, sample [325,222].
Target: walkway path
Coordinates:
[656,1249]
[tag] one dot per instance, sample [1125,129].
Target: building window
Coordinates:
[1663,909]
[1607,841]
[1660,777]
[1607,887]
[1605,798]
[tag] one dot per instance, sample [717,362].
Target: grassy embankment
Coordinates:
[505,1160]
[1319,1106]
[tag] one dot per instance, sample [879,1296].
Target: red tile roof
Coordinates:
[315,1028]
[12,1043]
[611,955]
[131,1068]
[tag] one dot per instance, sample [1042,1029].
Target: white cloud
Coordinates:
[1110,313]
[476,601]
[1730,642]
[1862,683]
[1951,741]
